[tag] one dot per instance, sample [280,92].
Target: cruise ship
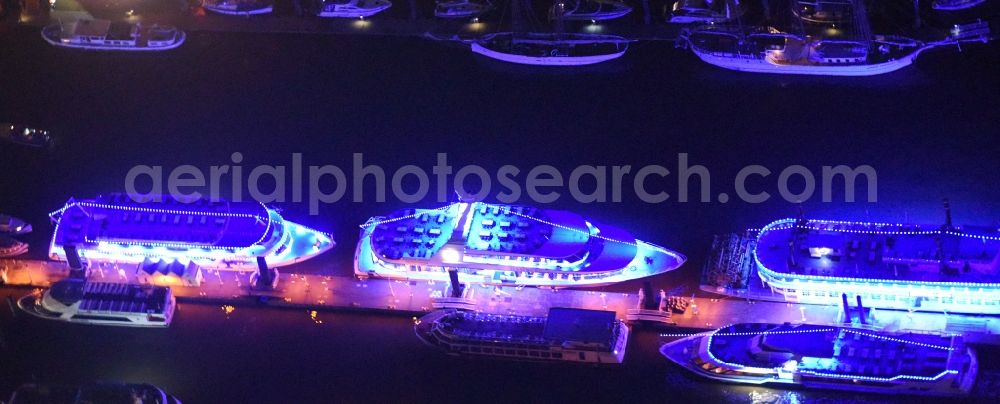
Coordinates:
[104,393]
[214,234]
[103,303]
[940,268]
[238,7]
[829,357]
[112,35]
[566,335]
[505,245]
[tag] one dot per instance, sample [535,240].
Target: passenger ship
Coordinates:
[505,245]
[108,35]
[103,303]
[566,335]
[829,357]
[892,266]
[214,234]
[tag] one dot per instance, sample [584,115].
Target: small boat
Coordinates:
[460,8]
[545,49]
[10,247]
[112,35]
[25,136]
[953,5]
[565,335]
[352,8]
[238,7]
[588,10]
[13,226]
[703,11]
[823,11]
[103,392]
[103,303]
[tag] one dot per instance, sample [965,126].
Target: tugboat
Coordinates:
[566,335]
[108,35]
[106,393]
[352,8]
[460,8]
[25,136]
[103,303]
[238,7]
[589,10]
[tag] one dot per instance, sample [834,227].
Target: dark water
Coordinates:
[930,131]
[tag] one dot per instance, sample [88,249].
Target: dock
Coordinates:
[414,298]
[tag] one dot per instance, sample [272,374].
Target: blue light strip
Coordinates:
[375,223]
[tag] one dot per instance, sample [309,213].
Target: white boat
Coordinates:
[352,8]
[703,11]
[783,53]
[823,11]
[108,35]
[566,335]
[10,247]
[238,7]
[13,226]
[103,303]
[588,10]
[545,49]
[952,5]
[460,8]
[829,357]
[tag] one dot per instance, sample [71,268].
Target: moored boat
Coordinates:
[102,392]
[352,8]
[112,35]
[829,357]
[954,5]
[461,8]
[588,10]
[13,226]
[103,303]
[546,49]
[238,7]
[24,135]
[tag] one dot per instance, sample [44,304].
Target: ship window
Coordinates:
[583,356]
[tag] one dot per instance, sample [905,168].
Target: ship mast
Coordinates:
[862,27]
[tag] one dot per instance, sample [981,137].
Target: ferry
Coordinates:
[566,335]
[823,11]
[104,392]
[703,11]
[103,303]
[940,268]
[953,5]
[25,136]
[238,7]
[545,49]
[214,234]
[352,8]
[460,8]
[505,245]
[588,10]
[112,35]
[829,357]
[13,226]
[10,247]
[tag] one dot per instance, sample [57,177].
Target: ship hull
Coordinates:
[52,38]
[761,65]
[29,304]
[546,60]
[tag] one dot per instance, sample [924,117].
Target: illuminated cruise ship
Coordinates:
[210,234]
[893,266]
[828,357]
[507,245]
[103,303]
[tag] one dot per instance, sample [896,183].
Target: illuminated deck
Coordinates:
[896,266]
[505,245]
[211,234]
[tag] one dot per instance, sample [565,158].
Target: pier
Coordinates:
[415,298]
